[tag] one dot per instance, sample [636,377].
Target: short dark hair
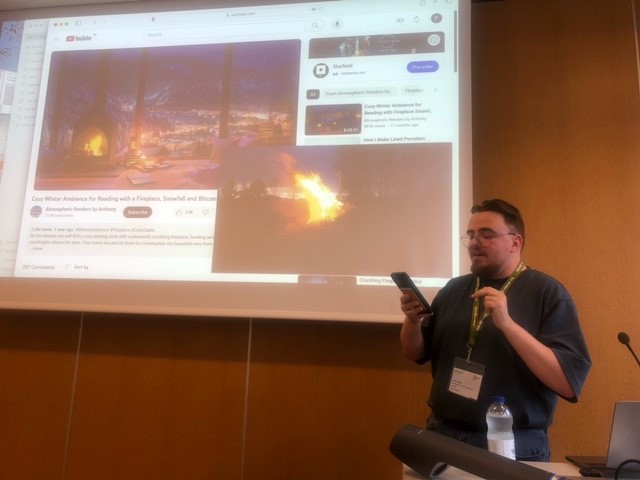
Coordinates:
[509,213]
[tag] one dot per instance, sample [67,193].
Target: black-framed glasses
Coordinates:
[483,239]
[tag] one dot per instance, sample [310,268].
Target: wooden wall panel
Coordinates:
[159,398]
[326,399]
[557,132]
[37,358]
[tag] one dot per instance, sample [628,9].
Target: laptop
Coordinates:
[624,444]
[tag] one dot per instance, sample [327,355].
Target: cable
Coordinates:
[622,464]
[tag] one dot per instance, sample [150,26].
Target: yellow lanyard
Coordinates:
[477,320]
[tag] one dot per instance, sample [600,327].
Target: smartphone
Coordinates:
[406,285]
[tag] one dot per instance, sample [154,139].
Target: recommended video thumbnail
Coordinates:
[333,119]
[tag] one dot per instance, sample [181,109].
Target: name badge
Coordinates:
[466,378]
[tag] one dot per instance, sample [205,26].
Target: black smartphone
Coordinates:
[406,285]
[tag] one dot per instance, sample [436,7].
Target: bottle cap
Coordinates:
[497,399]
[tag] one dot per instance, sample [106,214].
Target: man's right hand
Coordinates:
[412,309]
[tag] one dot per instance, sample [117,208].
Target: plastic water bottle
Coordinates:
[500,438]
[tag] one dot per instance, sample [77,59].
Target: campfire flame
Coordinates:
[323,204]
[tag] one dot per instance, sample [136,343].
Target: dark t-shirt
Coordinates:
[543,307]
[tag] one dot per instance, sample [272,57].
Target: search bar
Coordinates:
[214,31]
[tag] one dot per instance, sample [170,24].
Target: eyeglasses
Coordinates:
[483,239]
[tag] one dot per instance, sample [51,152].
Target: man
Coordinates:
[505,329]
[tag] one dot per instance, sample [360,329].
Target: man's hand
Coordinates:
[411,333]
[495,304]
[412,309]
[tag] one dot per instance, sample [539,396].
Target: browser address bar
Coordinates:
[213,31]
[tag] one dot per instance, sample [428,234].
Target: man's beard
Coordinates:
[485,271]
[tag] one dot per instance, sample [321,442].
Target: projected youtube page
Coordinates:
[221,145]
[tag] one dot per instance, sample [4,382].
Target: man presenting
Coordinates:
[505,329]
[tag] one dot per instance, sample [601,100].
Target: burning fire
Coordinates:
[323,204]
[95,146]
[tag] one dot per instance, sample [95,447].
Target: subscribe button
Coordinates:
[425,66]
[137,212]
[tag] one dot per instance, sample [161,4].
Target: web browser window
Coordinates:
[262,144]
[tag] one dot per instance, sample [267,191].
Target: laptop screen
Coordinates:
[624,443]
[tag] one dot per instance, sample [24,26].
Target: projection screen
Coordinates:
[260,161]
